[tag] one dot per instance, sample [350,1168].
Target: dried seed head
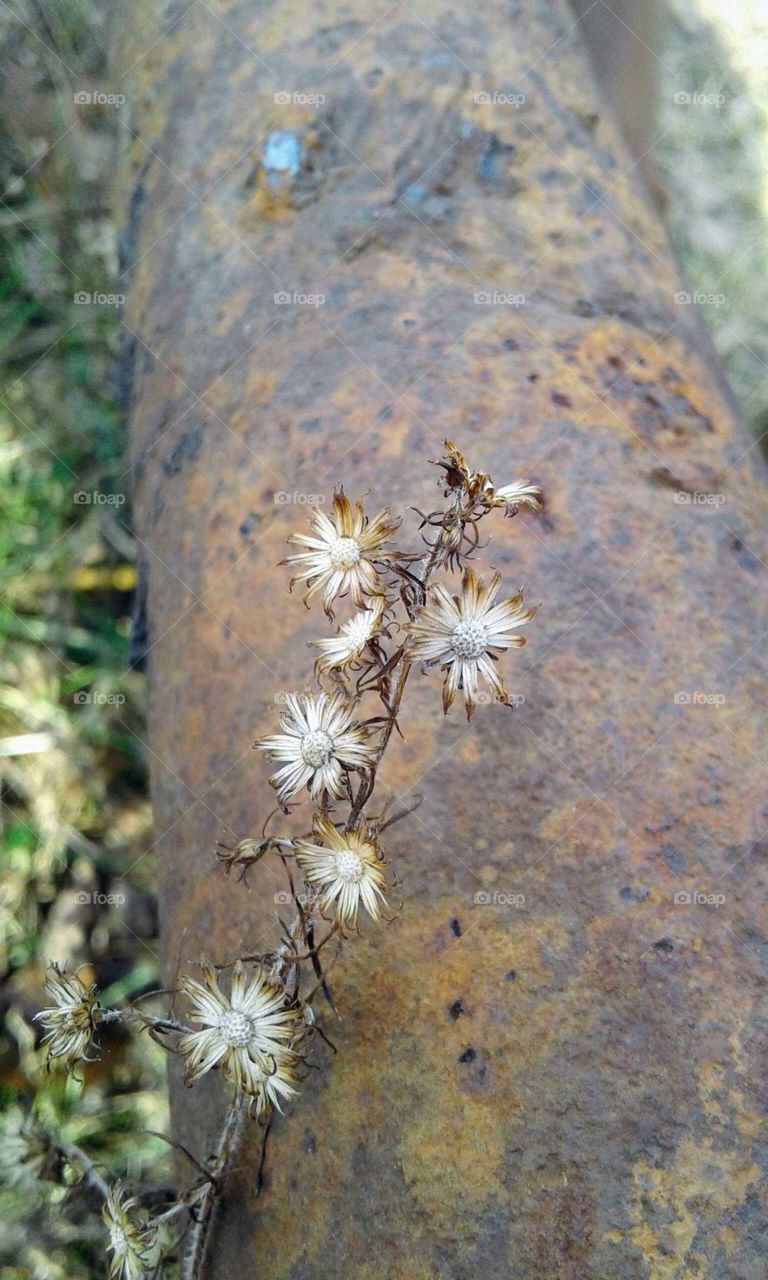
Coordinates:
[319,740]
[338,555]
[254,1034]
[70,1021]
[347,868]
[133,1237]
[465,632]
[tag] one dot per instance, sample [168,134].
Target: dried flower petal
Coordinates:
[319,738]
[347,866]
[132,1236]
[519,494]
[462,632]
[458,474]
[338,558]
[254,1035]
[70,1021]
[349,645]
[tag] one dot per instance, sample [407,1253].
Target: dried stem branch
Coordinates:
[194,1260]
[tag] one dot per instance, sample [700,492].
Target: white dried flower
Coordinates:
[319,739]
[253,1035]
[340,555]
[462,632]
[348,868]
[70,1021]
[518,494]
[132,1236]
[349,645]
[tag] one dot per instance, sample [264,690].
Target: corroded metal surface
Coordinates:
[572,1087]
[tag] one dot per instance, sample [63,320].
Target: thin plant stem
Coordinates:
[75,1155]
[366,787]
[194,1260]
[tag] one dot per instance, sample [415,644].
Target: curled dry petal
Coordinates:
[466,632]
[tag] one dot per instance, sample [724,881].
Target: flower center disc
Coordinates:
[470,638]
[117,1239]
[316,748]
[344,553]
[236,1029]
[349,865]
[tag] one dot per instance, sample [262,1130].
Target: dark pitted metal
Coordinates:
[570,1087]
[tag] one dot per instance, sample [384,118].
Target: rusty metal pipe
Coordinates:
[572,1087]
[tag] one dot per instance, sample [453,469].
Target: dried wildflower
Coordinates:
[318,741]
[274,1083]
[459,476]
[349,645]
[347,866]
[27,1154]
[132,1236]
[70,1021]
[339,558]
[479,488]
[519,494]
[253,1034]
[462,632]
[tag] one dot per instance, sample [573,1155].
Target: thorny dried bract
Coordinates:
[255,1024]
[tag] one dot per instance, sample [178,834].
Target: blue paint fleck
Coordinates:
[414,193]
[282,153]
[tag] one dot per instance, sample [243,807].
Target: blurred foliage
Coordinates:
[712,158]
[74,817]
